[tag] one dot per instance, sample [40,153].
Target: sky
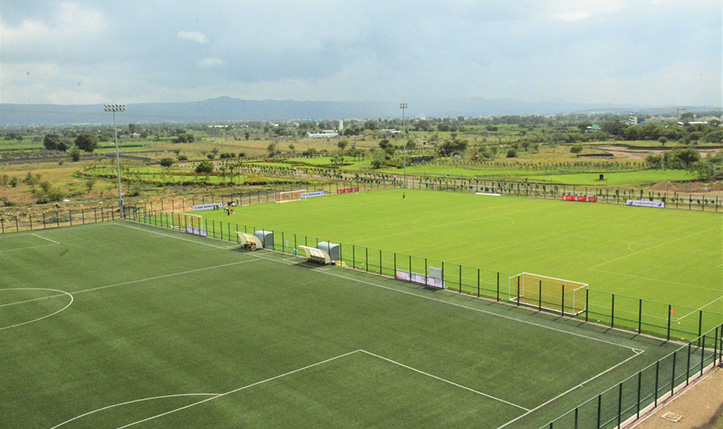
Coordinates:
[617,52]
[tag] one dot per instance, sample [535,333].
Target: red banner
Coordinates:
[347,190]
[581,198]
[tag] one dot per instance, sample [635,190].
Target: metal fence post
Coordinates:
[640,382]
[657,372]
[460,279]
[687,365]
[672,375]
[498,286]
[670,307]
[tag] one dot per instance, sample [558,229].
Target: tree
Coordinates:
[384,143]
[654,161]
[271,148]
[166,162]
[512,153]
[576,148]
[86,142]
[450,147]
[681,159]
[204,167]
[75,153]
[342,144]
[51,141]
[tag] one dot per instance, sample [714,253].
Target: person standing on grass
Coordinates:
[404,195]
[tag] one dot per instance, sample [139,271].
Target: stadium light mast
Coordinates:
[403,106]
[117,108]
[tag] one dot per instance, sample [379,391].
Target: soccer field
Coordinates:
[120,324]
[664,256]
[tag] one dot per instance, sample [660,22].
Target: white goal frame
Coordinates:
[288,196]
[190,223]
[566,297]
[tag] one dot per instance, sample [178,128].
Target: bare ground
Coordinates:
[700,405]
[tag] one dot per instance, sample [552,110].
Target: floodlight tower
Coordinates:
[117,108]
[403,106]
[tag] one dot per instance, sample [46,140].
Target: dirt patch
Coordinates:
[701,407]
[688,187]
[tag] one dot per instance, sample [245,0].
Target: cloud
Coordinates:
[533,50]
[209,62]
[194,36]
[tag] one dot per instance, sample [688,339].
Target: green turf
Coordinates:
[662,256]
[109,324]
[616,178]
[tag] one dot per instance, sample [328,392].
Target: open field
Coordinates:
[663,256]
[617,178]
[118,324]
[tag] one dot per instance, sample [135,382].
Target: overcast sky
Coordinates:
[650,52]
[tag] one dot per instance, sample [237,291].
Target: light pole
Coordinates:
[117,108]
[403,106]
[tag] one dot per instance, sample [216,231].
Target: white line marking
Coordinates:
[128,282]
[637,353]
[44,238]
[698,309]
[651,247]
[132,402]
[26,248]
[173,236]
[687,285]
[240,389]
[477,310]
[445,380]
[166,275]
[60,293]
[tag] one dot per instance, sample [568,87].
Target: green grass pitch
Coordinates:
[662,256]
[120,324]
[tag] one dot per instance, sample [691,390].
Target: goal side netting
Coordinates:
[190,223]
[288,196]
[566,297]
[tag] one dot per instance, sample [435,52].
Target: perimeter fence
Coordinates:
[699,332]
[677,323]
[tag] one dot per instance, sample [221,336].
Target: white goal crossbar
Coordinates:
[288,196]
[566,297]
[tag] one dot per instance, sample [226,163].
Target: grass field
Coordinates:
[664,256]
[120,324]
[616,178]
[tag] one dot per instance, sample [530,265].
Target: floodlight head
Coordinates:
[114,107]
[402,106]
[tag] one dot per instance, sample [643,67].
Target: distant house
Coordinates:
[592,128]
[324,134]
[390,132]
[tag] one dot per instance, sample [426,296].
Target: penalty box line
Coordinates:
[570,390]
[329,273]
[248,386]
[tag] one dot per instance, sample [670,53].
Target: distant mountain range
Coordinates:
[227,109]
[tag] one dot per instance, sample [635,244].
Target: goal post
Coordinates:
[288,196]
[566,297]
[188,222]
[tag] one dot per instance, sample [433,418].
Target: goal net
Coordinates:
[566,297]
[288,196]
[191,223]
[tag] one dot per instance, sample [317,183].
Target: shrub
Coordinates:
[512,153]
